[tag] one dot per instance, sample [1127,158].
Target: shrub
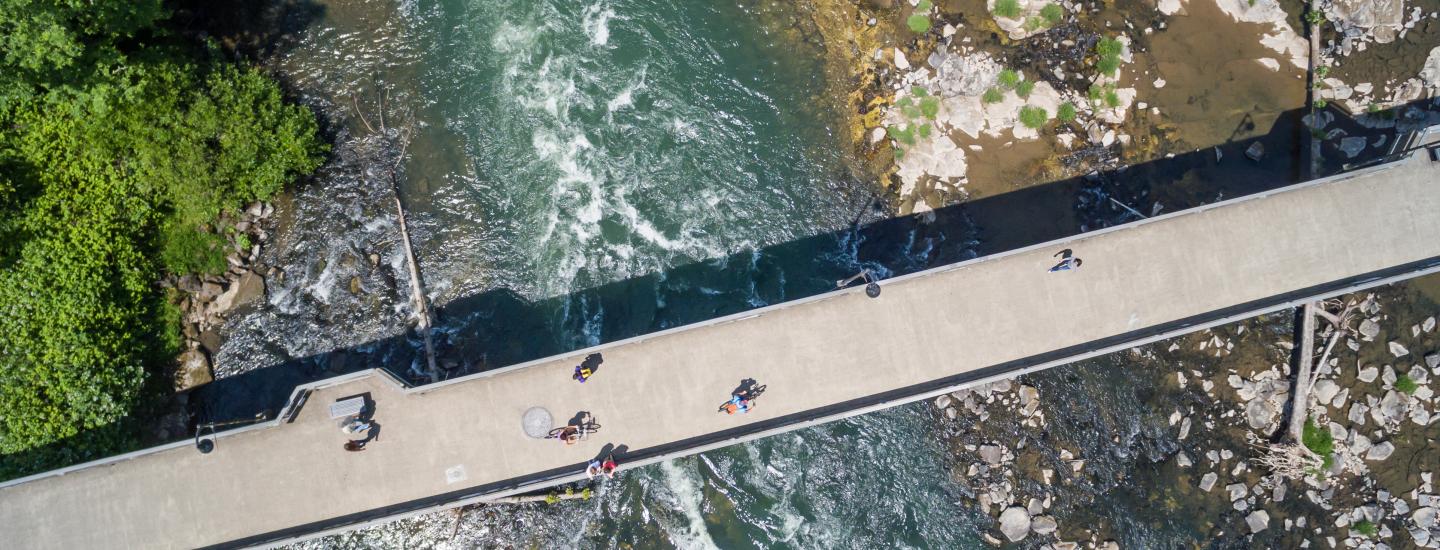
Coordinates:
[1033,117]
[1405,384]
[1320,103]
[1024,88]
[1112,98]
[1314,18]
[924,6]
[993,95]
[923,130]
[121,160]
[1052,13]
[1322,71]
[918,24]
[1007,8]
[1008,79]
[1066,113]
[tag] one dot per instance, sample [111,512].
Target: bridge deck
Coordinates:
[822,358]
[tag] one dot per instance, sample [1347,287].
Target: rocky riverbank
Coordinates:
[1069,472]
[206,301]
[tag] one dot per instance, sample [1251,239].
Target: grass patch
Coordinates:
[1066,112]
[918,24]
[1035,23]
[1024,88]
[993,95]
[1322,72]
[1052,13]
[1007,8]
[930,107]
[1314,18]
[903,134]
[1365,527]
[1008,79]
[1108,51]
[1033,117]
[1405,384]
[1317,439]
[1320,103]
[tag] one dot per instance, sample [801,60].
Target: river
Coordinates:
[582,172]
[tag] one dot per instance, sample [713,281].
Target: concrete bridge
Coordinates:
[823,358]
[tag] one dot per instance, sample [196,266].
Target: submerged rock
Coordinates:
[1043,525]
[1258,521]
[1207,481]
[1255,151]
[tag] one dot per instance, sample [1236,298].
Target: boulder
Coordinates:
[1015,523]
[1398,350]
[942,401]
[1255,151]
[992,454]
[1325,390]
[1368,374]
[1369,329]
[1207,481]
[1352,146]
[193,371]
[1237,490]
[1432,361]
[1043,525]
[1424,518]
[1380,451]
[1258,521]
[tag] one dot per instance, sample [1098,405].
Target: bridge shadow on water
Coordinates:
[499,327]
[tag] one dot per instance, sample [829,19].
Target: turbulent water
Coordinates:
[581,172]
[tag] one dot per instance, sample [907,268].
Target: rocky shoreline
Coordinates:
[206,301]
[1211,402]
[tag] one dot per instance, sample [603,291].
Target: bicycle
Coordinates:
[581,431]
[750,394]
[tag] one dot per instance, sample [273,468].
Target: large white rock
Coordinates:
[1424,518]
[1397,349]
[1015,523]
[1208,480]
[1325,390]
[1380,451]
[1258,521]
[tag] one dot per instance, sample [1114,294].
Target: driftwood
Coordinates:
[424,318]
[1290,458]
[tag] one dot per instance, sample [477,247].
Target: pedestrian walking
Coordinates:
[1068,261]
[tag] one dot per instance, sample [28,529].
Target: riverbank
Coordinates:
[1113,450]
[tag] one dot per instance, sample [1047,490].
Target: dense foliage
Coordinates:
[119,145]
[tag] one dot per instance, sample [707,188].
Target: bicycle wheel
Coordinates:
[555,433]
